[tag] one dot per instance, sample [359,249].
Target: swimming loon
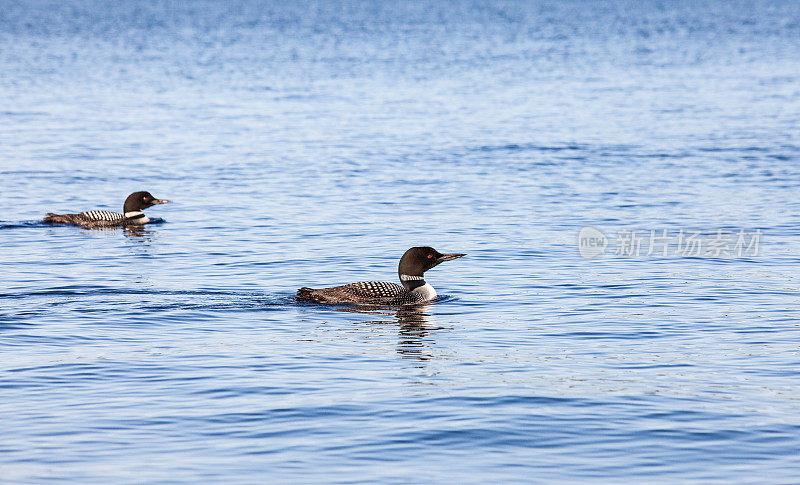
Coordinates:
[132,213]
[411,269]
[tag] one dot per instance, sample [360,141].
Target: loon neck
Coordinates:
[411,282]
[135,215]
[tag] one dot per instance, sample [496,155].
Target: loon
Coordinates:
[131,213]
[411,269]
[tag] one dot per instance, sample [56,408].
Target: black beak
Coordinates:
[449,257]
[159,201]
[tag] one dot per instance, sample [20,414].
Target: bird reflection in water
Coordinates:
[415,328]
[140,238]
[138,233]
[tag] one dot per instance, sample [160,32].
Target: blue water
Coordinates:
[310,144]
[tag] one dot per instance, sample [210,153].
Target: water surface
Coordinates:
[311,144]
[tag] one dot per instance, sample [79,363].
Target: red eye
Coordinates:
[430,256]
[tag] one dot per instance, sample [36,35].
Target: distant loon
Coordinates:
[132,213]
[411,269]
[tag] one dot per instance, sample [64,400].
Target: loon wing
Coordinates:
[363,292]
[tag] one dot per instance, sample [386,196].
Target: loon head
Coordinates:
[417,260]
[138,201]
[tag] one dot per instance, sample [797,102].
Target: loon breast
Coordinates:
[426,292]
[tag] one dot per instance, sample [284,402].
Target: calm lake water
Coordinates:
[311,144]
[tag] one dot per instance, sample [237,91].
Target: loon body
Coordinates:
[131,213]
[411,270]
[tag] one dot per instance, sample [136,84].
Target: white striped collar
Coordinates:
[405,277]
[134,215]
